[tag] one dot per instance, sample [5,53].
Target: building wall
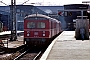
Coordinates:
[24,10]
[71,15]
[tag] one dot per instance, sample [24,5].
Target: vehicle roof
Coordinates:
[40,15]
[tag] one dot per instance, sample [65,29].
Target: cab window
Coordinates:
[41,25]
[30,25]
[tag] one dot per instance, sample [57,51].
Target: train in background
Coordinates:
[4,20]
[40,29]
[1,26]
[71,16]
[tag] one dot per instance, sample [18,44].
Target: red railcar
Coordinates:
[39,29]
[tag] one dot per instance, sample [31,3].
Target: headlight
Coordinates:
[28,34]
[43,34]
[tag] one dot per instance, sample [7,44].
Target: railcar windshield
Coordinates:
[41,25]
[35,25]
[30,25]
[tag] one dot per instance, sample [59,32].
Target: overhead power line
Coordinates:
[25,2]
[85,1]
[3,3]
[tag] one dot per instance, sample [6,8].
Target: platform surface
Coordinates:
[8,32]
[66,47]
[14,44]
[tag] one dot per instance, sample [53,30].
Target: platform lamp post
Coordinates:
[13,21]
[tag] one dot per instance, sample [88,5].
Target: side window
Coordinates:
[41,25]
[30,25]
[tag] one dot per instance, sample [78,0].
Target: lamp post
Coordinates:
[13,20]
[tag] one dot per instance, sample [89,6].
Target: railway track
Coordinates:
[26,55]
[29,54]
[10,55]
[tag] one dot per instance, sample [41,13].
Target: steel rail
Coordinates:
[21,54]
[37,55]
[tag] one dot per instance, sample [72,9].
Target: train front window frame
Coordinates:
[30,25]
[41,25]
[36,18]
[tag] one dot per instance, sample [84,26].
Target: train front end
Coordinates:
[36,31]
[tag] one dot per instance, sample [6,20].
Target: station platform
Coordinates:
[13,44]
[8,32]
[66,47]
